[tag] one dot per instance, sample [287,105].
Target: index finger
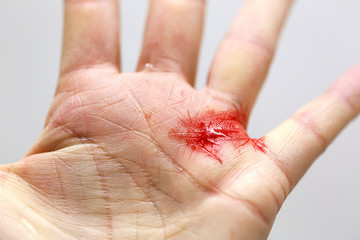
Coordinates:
[297,142]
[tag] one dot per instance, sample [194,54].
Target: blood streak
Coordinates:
[208,131]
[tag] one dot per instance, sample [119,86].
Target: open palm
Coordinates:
[146,156]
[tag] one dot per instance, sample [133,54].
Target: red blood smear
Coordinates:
[208,131]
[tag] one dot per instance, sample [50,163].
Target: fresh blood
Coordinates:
[207,132]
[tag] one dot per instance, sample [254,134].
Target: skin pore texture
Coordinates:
[144,155]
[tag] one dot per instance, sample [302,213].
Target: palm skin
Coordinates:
[104,168]
[117,158]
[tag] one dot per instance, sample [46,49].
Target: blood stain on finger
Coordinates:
[207,132]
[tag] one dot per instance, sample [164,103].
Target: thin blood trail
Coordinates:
[208,131]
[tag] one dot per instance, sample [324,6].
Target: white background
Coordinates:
[320,41]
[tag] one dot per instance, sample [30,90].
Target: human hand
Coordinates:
[144,155]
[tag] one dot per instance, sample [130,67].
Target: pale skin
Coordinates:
[105,165]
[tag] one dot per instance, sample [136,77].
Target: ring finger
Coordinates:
[172,37]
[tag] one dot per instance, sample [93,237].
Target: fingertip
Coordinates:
[301,139]
[347,88]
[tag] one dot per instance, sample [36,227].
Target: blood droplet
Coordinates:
[207,132]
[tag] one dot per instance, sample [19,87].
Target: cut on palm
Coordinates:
[146,156]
